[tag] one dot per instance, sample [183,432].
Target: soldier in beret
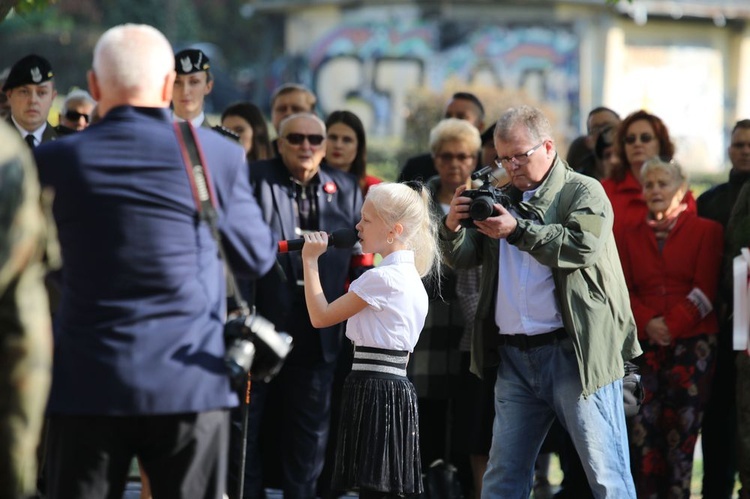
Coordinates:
[30,90]
[194,82]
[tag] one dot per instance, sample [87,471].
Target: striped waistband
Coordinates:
[380,360]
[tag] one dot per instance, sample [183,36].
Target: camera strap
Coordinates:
[205,200]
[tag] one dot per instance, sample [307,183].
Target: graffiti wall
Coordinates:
[372,67]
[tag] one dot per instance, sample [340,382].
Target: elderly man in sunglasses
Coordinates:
[297,193]
[75,114]
[553,313]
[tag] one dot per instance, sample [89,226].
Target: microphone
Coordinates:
[341,238]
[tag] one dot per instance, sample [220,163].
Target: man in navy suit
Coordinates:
[138,361]
[296,194]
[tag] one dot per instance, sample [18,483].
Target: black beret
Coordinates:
[191,61]
[31,70]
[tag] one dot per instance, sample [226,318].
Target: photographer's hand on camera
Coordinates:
[459,210]
[499,226]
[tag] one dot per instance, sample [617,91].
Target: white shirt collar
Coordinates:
[36,133]
[196,122]
[400,256]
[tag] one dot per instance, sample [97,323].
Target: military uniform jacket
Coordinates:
[139,329]
[49,134]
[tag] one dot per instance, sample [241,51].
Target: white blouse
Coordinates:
[397,305]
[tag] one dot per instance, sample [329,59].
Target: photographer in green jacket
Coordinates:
[554,313]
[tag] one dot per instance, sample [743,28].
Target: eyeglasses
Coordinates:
[75,116]
[447,157]
[645,138]
[296,139]
[519,159]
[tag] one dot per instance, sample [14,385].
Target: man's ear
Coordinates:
[168,88]
[93,85]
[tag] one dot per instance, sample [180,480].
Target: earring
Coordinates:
[389,240]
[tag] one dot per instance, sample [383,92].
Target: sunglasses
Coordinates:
[645,138]
[447,157]
[297,139]
[75,116]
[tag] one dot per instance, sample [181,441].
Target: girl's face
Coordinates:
[189,93]
[640,144]
[372,231]
[241,127]
[341,146]
[662,192]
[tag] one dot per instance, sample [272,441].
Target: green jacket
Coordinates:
[575,240]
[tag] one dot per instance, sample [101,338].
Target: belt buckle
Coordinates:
[522,341]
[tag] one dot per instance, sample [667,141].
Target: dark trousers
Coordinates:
[299,400]
[184,455]
[719,426]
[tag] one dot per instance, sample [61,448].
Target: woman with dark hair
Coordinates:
[346,147]
[246,120]
[640,136]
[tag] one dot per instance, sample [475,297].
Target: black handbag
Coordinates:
[632,390]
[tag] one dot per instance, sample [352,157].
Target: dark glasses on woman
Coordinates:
[645,138]
[296,139]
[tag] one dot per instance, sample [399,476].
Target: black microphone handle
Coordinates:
[297,244]
[341,238]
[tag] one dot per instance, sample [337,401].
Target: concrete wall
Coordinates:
[692,73]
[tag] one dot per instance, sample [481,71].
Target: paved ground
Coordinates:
[133,491]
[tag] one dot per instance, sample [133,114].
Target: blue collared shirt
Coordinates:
[526,302]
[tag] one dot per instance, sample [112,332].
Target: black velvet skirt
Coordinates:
[378,439]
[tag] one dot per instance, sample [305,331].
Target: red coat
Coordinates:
[659,282]
[628,205]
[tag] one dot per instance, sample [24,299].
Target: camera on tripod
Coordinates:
[253,344]
[484,198]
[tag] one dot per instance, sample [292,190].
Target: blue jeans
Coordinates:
[533,387]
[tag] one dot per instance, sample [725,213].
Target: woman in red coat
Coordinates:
[640,136]
[671,260]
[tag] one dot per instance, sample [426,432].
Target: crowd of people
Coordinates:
[463,344]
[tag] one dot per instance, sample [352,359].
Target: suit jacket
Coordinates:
[139,328]
[659,281]
[275,294]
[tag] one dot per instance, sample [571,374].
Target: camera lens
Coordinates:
[239,357]
[482,208]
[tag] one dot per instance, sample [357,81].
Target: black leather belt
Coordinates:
[524,341]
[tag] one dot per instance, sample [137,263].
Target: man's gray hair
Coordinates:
[529,117]
[292,117]
[77,96]
[133,59]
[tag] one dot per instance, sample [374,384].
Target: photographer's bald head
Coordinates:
[133,65]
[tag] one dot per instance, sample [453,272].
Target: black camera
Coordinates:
[484,198]
[253,344]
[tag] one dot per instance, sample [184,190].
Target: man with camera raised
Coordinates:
[139,364]
[553,312]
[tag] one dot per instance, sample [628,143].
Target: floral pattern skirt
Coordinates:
[677,381]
